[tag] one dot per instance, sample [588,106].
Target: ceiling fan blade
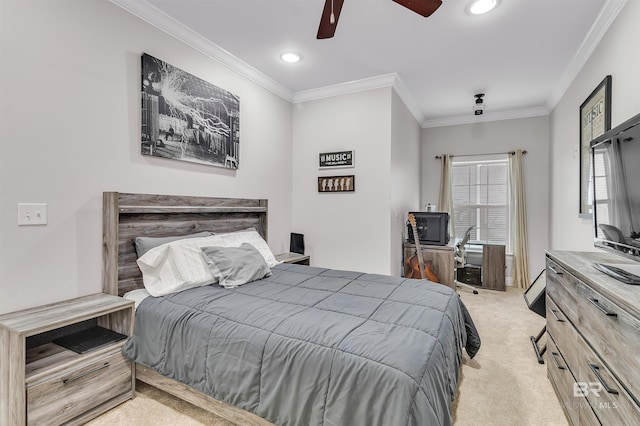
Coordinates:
[422,7]
[326,28]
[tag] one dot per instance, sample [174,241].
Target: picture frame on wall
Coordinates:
[186,118]
[595,119]
[337,183]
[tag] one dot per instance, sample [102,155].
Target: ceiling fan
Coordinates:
[332,8]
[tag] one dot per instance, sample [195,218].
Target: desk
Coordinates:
[443,263]
[493,266]
[441,257]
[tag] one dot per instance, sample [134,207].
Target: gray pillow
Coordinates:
[234,266]
[144,244]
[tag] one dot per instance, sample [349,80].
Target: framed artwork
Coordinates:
[595,119]
[337,183]
[188,119]
[335,160]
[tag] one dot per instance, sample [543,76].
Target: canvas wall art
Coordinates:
[186,118]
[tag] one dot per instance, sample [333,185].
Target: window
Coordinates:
[481,198]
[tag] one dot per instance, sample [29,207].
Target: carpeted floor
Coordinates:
[502,385]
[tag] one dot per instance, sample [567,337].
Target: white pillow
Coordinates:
[176,266]
[137,295]
[180,265]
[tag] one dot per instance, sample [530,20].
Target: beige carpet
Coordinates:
[502,385]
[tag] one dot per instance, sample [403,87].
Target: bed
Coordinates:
[304,345]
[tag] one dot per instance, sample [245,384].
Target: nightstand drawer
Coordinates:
[75,391]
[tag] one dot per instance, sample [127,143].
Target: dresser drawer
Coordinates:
[564,333]
[587,416]
[73,392]
[613,334]
[563,382]
[611,402]
[562,286]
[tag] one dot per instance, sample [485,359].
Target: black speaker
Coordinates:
[297,243]
[535,294]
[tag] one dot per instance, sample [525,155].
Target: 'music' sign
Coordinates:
[336,159]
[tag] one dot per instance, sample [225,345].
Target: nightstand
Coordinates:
[300,259]
[43,382]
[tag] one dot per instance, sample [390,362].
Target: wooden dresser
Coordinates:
[593,345]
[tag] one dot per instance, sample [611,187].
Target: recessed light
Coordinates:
[478,7]
[290,57]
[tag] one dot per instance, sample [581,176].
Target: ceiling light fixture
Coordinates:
[290,57]
[478,7]
[478,105]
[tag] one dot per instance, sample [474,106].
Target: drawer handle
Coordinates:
[602,309]
[554,270]
[596,371]
[553,355]
[73,379]
[553,311]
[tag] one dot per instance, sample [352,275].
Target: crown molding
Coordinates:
[162,21]
[408,99]
[384,80]
[607,15]
[176,29]
[491,116]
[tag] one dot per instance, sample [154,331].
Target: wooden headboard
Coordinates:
[127,216]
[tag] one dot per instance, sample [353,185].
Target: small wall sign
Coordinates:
[336,159]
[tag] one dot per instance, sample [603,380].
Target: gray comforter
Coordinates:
[313,346]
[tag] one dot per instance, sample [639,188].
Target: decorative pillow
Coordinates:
[234,266]
[176,266]
[144,244]
[251,236]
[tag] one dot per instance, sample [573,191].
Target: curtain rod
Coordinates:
[486,153]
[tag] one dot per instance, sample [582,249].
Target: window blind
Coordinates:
[481,198]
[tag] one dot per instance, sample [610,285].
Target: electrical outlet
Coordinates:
[32,214]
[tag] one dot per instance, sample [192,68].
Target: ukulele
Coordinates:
[417,267]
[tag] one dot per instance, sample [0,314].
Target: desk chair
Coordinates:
[460,259]
[612,233]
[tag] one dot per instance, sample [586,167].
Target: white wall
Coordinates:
[617,55]
[405,176]
[530,134]
[344,230]
[70,99]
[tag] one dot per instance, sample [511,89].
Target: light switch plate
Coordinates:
[32,214]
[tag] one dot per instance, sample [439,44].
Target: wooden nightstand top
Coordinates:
[293,258]
[42,318]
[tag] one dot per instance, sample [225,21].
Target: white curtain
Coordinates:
[445,202]
[519,223]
